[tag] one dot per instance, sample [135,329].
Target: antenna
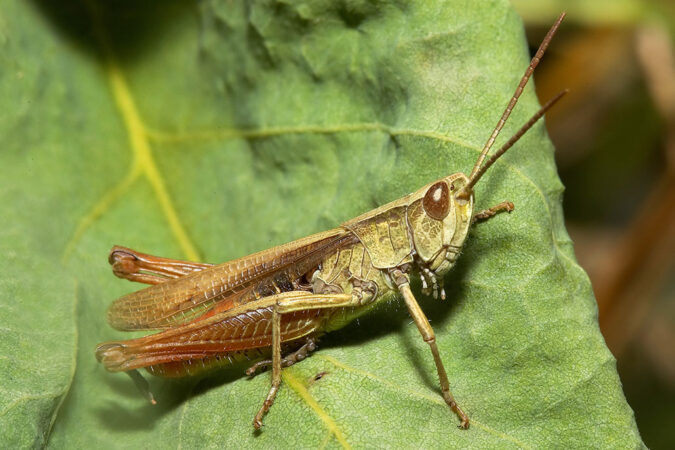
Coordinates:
[538,115]
[507,112]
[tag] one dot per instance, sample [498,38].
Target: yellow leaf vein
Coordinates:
[304,394]
[143,160]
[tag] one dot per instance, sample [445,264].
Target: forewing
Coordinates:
[226,285]
[205,341]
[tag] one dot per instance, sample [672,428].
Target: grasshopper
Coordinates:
[287,296]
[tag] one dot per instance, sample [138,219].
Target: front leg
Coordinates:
[487,213]
[424,327]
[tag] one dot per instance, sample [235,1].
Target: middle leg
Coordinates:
[308,347]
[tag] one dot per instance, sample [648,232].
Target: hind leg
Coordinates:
[143,268]
[289,302]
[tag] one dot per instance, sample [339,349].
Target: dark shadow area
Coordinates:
[131,27]
[651,394]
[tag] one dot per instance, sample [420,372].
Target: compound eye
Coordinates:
[436,201]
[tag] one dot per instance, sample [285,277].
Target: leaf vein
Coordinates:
[143,155]
[263,133]
[143,163]
[100,207]
[304,394]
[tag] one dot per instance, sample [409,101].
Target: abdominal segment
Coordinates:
[204,344]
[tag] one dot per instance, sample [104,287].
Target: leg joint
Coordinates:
[429,336]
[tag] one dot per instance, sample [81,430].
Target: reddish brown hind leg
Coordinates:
[487,213]
[135,266]
[303,352]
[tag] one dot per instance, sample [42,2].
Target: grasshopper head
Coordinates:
[441,213]
[440,220]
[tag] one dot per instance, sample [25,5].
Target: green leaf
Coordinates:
[211,130]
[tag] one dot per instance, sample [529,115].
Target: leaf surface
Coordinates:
[215,129]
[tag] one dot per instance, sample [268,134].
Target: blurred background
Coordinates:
[615,148]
